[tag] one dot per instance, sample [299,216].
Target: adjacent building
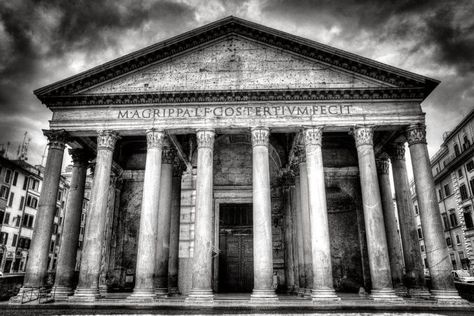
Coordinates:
[20,188]
[453,171]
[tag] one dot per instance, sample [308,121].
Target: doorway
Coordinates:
[236,248]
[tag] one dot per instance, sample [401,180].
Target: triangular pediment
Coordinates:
[238,57]
[235,63]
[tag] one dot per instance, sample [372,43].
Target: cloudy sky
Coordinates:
[44,41]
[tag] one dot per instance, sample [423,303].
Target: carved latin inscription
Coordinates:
[235,111]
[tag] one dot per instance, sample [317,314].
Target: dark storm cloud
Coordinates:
[37,36]
[445,25]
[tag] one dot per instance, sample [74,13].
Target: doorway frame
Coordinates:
[226,195]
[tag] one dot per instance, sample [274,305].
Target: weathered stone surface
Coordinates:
[234,63]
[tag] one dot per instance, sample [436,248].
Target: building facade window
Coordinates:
[15,178]
[472,185]
[4,191]
[34,185]
[445,221]
[420,233]
[457,152]
[448,242]
[3,238]
[463,192]
[470,166]
[28,220]
[31,201]
[440,194]
[447,190]
[10,201]
[453,261]
[466,143]
[460,174]
[8,176]
[14,240]
[468,217]
[453,219]
[458,240]
[6,220]
[22,201]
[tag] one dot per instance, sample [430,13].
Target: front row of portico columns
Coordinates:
[322,287]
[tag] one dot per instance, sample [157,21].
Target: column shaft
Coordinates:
[163,228]
[323,288]
[391,225]
[145,267]
[174,231]
[379,262]
[262,217]
[201,289]
[306,227]
[437,254]
[88,286]
[299,235]
[414,274]
[72,225]
[37,266]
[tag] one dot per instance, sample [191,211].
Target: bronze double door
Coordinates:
[236,248]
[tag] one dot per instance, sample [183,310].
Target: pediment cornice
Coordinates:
[226,27]
[238,96]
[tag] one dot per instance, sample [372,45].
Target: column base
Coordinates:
[87,295]
[307,292]
[301,291]
[385,295]
[420,292]
[200,297]
[263,296]
[145,295]
[62,293]
[173,290]
[401,290]
[448,297]
[318,295]
[161,292]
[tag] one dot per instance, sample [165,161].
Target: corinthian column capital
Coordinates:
[363,135]
[155,138]
[106,139]
[169,153]
[397,151]
[313,136]
[56,138]
[260,136]
[205,138]
[416,134]
[79,156]
[382,164]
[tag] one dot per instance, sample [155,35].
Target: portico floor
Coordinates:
[239,304]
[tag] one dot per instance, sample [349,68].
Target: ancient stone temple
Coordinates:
[239,158]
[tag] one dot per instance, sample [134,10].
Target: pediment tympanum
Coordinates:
[235,63]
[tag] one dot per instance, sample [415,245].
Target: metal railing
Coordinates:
[42,294]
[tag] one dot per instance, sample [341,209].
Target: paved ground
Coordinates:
[238,304]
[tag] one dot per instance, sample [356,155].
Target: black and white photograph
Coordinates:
[237,157]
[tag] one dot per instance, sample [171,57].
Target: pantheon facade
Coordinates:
[238,158]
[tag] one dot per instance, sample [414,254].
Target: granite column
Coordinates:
[379,262]
[72,224]
[306,226]
[323,288]
[174,228]
[262,218]
[145,267]
[414,272]
[437,255]
[391,225]
[88,286]
[37,266]
[201,288]
[163,227]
